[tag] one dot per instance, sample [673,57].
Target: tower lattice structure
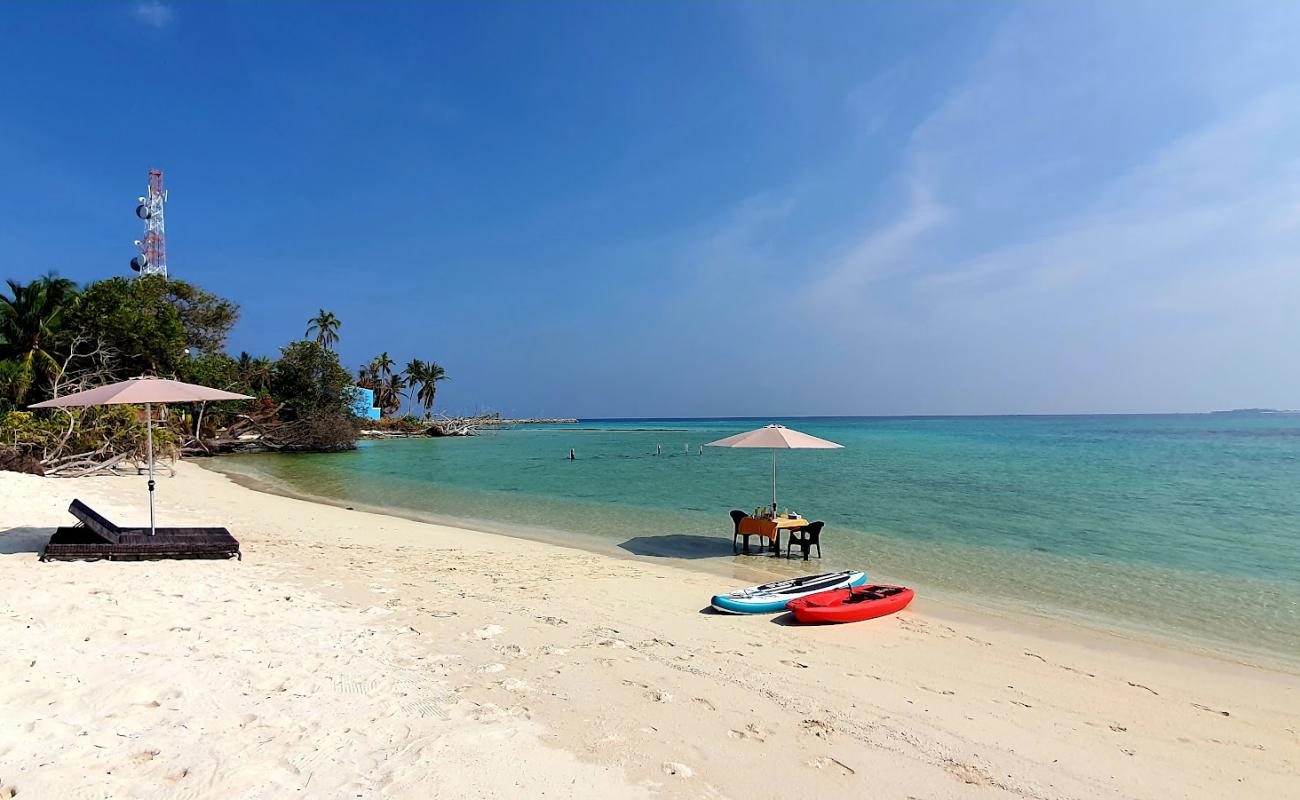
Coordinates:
[153,247]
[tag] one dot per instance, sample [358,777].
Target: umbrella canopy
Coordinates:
[141,390]
[146,390]
[775,437]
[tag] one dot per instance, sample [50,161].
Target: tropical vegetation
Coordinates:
[57,338]
[419,380]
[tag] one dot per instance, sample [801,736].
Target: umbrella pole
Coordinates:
[148,412]
[774,483]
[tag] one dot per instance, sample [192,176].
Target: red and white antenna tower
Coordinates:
[153,248]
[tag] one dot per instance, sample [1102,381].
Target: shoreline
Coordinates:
[362,653]
[1065,622]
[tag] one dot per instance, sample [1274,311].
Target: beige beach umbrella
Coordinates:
[775,437]
[146,390]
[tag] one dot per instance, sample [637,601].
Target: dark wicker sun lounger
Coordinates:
[96,538]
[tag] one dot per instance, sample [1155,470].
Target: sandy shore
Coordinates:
[361,655]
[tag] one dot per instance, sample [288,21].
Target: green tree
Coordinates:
[32,319]
[382,366]
[389,395]
[217,370]
[309,380]
[367,376]
[414,372]
[14,382]
[325,327]
[428,389]
[254,373]
[151,321]
[207,318]
[317,395]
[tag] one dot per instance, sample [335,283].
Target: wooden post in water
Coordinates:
[572,456]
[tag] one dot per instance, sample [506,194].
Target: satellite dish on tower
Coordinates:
[139,263]
[142,211]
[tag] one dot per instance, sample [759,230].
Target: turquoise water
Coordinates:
[1175,526]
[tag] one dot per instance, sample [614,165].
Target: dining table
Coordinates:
[770,528]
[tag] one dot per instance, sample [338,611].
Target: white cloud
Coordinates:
[884,252]
[154,13]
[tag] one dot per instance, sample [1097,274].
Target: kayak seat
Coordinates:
[806,537]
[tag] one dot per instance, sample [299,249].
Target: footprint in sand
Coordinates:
[752,731]
[967,773]
[819,728]
[704,703]
[490,668]
[795,664]
[488,631]
[516,685]
[344,684]
[425,708]
[822,762]
[678,770]
[177,776]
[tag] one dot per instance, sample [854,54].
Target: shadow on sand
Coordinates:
[682,545]
[24,540]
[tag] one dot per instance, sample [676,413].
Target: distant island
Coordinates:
[1241,412]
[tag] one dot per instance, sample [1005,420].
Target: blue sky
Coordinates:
[643,209]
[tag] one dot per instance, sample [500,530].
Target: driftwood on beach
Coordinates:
[258,431]
[459,426]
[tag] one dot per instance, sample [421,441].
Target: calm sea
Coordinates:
[1182,526]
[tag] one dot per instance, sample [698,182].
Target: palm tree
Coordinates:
[389,394]
[325,326]
[383,365]
[414,374]
[429,385]
[254,373]
[29,326]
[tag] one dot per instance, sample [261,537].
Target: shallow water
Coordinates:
[1183,526]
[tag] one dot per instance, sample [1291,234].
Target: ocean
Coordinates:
[1174,527]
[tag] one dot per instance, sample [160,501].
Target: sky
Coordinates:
[643,209]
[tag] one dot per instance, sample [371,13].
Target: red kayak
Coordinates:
[851,605]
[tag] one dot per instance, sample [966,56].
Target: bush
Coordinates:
[316,393]
[309,380]
[407,424]
[106,431]
[329,433]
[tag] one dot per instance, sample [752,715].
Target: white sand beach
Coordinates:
[360,655]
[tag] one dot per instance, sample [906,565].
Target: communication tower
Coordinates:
[153,247]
